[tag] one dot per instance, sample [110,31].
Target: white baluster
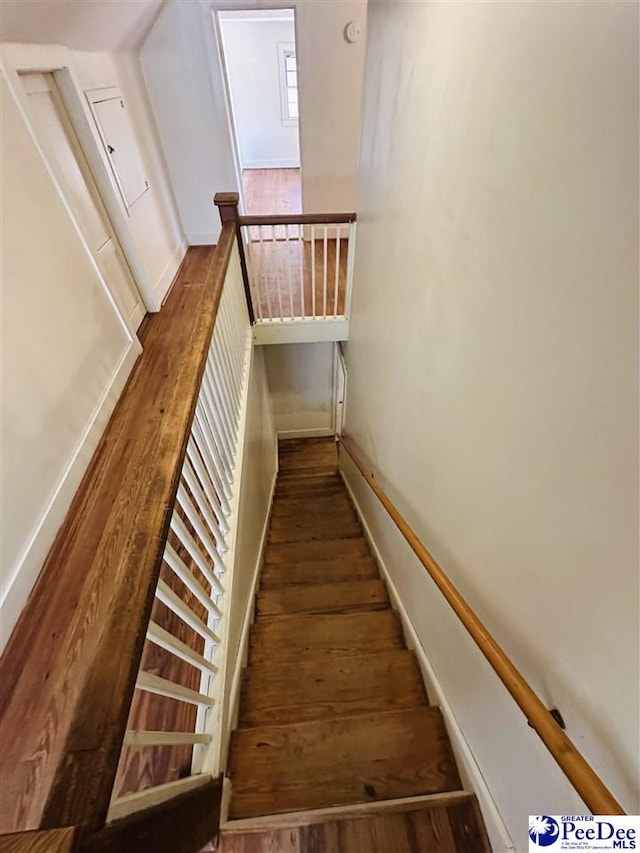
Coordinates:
[336,288]
[324,276]
[313,271]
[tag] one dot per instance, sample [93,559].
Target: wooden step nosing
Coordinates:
[432,711]
[286,820]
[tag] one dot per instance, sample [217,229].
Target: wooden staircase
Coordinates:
[334,718]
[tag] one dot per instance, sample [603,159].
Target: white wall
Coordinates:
[184,81]
[331,78]
[184,77]
[493,363]
[301,380]
[252,53]
[65,357]
[153,220]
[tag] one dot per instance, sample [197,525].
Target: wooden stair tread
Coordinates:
[337,570]
[347,685]
[438,823]
[304,518]
[326,549]
[310,484]
[338,634]
[366,593]
[319,529]
[354,759]
[303,507]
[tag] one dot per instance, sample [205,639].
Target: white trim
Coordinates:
[297,331]
[140,800]
[215,48]
[140,737]
[253,16]
[312,432]
[288,820]
[281,163]
[28,565]
[470,771]
[243,653]
[168,276]
[210,760]
[243,645]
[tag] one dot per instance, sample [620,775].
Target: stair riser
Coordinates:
[319,531]
[325,598]
[302,509]
[328,549]
[318,572]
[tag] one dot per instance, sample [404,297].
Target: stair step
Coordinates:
[435,823]
[302,507]
[337,570]
[352,684]
[308,636]
[326,549]
[309,516]
[321,763]
[367,594]
[311,462]
[309,484]
[316,530]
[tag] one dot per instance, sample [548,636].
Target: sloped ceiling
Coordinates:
[110,25]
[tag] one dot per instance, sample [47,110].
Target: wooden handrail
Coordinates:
[580,774]
[299,219]
[69,670]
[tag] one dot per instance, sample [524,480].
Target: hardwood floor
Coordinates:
[453,825]
[269,191]
[333,711]
[288,275]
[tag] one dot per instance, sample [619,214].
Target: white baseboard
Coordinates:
[243,645]
[470,772]
[321,432]
[272,164]
[169,273]
[25,573]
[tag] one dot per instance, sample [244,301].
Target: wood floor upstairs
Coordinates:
[333,710]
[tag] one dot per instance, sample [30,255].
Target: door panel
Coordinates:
[66,160]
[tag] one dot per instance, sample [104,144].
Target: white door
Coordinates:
[67,161]
[340,390]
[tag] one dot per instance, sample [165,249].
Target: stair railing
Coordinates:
[139,574]
[298,267]
[580,774]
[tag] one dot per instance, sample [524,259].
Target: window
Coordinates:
[288,83]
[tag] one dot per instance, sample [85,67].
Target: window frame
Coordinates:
[285,51]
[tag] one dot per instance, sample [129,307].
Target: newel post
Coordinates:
[227,204]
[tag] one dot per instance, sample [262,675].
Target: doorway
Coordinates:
[260,62]
[68,163]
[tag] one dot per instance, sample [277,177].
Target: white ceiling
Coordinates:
[79,24]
